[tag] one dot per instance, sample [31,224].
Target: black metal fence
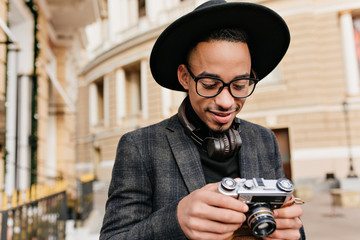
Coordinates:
[38,213]
[44,218]
[85,193]
[41,213]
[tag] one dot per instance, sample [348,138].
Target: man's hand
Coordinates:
[207,214]
[288,223]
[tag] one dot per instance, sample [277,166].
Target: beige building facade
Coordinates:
[40,62]
[311,100]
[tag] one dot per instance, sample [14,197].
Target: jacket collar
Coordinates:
[186,155]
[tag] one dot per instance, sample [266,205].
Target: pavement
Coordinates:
[322,221]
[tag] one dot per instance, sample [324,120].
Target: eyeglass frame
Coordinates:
[224,84]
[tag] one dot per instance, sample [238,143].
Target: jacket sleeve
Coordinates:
[129,213]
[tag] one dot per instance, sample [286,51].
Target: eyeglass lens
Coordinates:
[209,87]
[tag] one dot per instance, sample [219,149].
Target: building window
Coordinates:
[100,99]
[142,8]
[357,38]
[133,90]
[271,78]
[350,39]
[96,103]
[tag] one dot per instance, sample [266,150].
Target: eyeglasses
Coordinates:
[211,86]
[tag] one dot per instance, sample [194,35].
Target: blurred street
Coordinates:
[321,220]
[90,228]
[324,222]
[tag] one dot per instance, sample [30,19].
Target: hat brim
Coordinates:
[268,38]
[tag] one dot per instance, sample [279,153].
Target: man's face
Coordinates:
[226,60]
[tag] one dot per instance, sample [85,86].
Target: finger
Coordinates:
[289,234]
[205,225]
[288,212]
[288,223]
[208,236]
[223,201]
[222,215]
[213,206]
[220,200]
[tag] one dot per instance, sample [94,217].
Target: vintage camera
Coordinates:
[262,196]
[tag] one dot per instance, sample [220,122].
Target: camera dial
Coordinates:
[249,184]
[285,185]
[228,184]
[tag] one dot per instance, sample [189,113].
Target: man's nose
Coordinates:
[224,100]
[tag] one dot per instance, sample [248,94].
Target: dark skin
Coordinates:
[205,213]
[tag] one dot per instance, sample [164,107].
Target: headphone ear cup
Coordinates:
[223,147]
[227,144]
[234,140]
[214,147]
[230,142]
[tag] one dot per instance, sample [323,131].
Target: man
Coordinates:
[165,177]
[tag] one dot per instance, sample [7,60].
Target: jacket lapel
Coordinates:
[187,157]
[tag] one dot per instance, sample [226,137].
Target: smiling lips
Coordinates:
[222,117]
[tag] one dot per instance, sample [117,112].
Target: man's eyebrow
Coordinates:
[206,74]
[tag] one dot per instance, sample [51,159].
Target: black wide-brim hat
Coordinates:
[268,37]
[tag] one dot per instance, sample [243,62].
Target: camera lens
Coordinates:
[260,219]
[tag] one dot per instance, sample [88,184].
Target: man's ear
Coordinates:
[183,76]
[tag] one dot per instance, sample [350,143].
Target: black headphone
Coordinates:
[219,148]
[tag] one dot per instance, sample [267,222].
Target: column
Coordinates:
[24,132]
[120,96]
[106,100]
[134,12]
[144,88]
[123,14]
[115,11]
[153,7]
[11,102]
[93,105]
[165,101]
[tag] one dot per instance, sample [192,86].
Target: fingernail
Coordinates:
[246,208]
[275,213]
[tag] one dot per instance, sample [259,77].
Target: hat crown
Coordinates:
[210,4]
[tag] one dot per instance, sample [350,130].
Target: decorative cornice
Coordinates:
[122,46]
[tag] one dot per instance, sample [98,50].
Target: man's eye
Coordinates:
[239,87]
[209,83]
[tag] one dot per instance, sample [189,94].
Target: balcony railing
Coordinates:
[39,213]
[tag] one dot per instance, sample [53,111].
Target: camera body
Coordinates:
[262,196]
[255,190]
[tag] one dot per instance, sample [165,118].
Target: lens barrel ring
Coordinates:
[261,220]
